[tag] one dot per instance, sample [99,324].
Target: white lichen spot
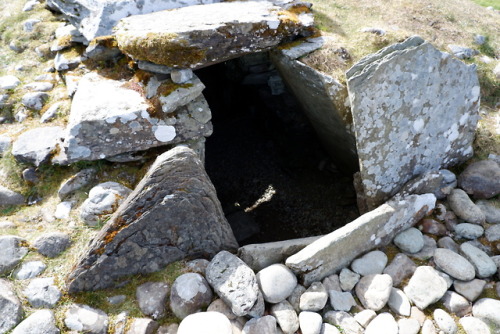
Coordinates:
[102,156]
[475,93]
[274,24]
[164,133]
[414,76]
[110,120]
[114,131]
[418,125]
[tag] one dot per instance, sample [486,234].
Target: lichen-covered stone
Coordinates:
[97,18]
[197,36]
[336,250]
[415,109]
[173,213]
[110,117]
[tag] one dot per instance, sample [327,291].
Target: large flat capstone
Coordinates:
[110,117]
[415,109]
[197,36]
[97,18]
[172,214]
[377,228]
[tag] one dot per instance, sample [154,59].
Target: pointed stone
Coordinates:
[138,238]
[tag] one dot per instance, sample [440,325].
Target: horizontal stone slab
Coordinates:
[197,36]
[376,228]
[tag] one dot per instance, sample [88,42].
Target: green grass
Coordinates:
[488,3]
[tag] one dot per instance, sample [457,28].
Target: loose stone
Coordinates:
[481,179]
[374,291]
[34,100]
[491,212]
[276,282]
[151,297]
[445,322]
[341,301]
[400,268]
[370,264]
[13,249]
[469,231]
[332,282]
[464,208]
[314,298]
[329,329]
[408,326]
[348,279]
[418,315]
[286,317]
[428,327]
[310,322]
[265,324]
[29,270]
[399,303]
[383,323]
[205,322]
[218,305]
[493,233]
[41,322]
[486,309]
[448,243]
[52,244]
[11,311]
[343,320]
[455,303]
[427,251]
[41,292]
[484,265]
[470,290]
[431,226]
[425,287]
[454,264]
[410,241]
[294,298]
[473,325]
[189,294]
[75,182]
[83,318]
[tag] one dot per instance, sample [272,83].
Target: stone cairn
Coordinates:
[421,259]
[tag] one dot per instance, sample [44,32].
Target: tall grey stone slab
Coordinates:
[376,228]
[198,36]
[97,18]
[415,109]
[110,117]
[172,214]
[323,100]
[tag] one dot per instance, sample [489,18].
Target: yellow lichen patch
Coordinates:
[64,41]
[169,87]
[106,41]
[163,49]
[142,76]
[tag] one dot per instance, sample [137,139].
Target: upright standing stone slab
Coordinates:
[415,109]
[197,36]
[172,214]
[377,228]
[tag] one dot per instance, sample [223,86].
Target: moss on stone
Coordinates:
[106,41]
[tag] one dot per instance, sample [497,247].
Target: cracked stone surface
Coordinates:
[138,238]
[110,117]
[198,36]
[402,131]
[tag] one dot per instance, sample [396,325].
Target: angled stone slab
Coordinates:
[110,117]
[197,36]
[97,18]
[376,228]
[415,109]
[172,214]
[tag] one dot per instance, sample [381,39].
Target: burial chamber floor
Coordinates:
[273,179]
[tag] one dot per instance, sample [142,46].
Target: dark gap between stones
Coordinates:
[263,147]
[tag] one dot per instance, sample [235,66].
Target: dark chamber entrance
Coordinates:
[273,178]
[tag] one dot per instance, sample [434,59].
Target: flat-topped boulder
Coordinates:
[198,36]
[415,109]
[172,214]
[97,18]
[110,117]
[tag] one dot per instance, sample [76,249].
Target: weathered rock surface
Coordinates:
[52,244]
[266,324]
[481,179]
[336,250]
[401,131]
[234,282]
[95,19]
[103,200]
[464,208]
[439,183]
[35,146]
[323,101]
[471,289]
[454,264]
[75,182]
[40,322]
[484,265]
[137,239]
[10,307]
[259,256]
[197,36]
[151,297]
[13,249]
[9,197]
[41,292]
[29,269]
[110,117]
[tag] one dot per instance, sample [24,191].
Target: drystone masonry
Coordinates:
[172,214]
[415,109]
